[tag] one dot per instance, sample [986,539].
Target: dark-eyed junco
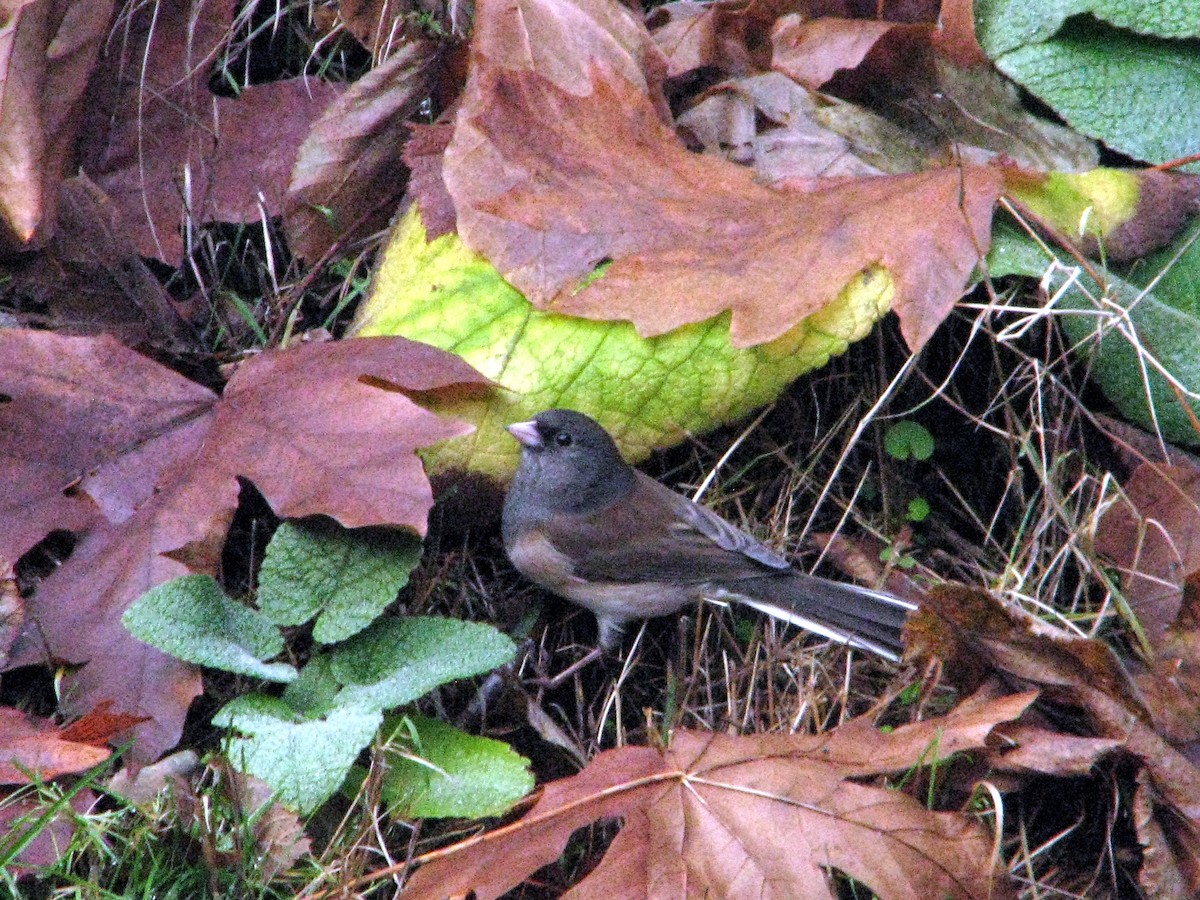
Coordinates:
[588,527]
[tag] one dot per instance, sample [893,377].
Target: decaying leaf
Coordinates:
[88,279]
[1153,535]
[47,53]
[565,161]
[38,747]
[755,816]
[1084,677]
[169,152]
[21,815]
[146,464]
[349,175]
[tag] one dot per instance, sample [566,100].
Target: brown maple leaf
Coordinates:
[46,57]
[169,151]
[756,816]
[146,464]
[1081,679]
[563,158]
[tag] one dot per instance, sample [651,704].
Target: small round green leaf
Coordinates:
[918,509]
[908,440]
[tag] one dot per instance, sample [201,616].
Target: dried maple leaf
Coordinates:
[1083,678]
[47,52]
[564,161]
[757,816]
[100,439]
[42,748]
[169,151]
[349,177]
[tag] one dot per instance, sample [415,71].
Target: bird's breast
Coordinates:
[540,561]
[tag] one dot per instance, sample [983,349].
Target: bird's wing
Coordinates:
[654,534]
[708,523]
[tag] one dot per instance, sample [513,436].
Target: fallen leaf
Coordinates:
[1153,536]
[88,279]
[1170,848]
[1028,748]
[683,382]
[728,35]
[784,131]
[40,747]
[279,838]
[349,176]
[24,811]
[1083,678]
[319,429]
[757,816]
[559,166]
[169,152]
[99,726]
[141,788]
[47,53]
[955,35]
[423,155]
[944,112]
[812,50]
[1118,215]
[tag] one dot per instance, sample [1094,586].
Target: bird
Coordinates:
[585,525]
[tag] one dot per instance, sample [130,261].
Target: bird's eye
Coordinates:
[563,439]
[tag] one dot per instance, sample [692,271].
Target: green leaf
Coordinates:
[1138,94]
[396,661]
[908,440]
[1003,25]
[313,693]
[458,775]
[344,577]
[191,619]
[304,762]
[918,509]
[690,379]
[1130,332]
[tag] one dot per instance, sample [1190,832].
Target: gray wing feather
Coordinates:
[717,530]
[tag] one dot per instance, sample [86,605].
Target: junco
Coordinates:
[588,527]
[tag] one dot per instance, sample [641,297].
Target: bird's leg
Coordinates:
[549,683]
[609,639]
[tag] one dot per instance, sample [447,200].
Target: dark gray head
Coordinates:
[568,463]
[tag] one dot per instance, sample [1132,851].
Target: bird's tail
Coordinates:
[856,616]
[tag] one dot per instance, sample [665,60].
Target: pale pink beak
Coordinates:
[527,433]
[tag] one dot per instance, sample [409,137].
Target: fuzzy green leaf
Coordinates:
[1003,25]
[344,577]
[459,775]
[191,619]
[303,761]
[313,693]
[396,661]
[1128,333]
[1138,93]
